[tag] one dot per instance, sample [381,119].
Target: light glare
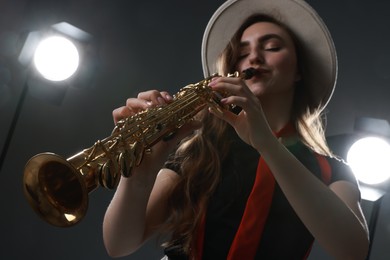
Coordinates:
[70,217]
[56,58]
[369,159]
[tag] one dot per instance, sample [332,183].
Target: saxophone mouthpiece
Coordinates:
[249,73]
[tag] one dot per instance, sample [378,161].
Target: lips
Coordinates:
[262,70]
[258,72]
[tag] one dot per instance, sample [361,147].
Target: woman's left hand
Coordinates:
[250,124]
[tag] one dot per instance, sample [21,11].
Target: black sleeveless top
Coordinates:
[284,235]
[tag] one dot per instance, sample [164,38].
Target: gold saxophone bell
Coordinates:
[57,189]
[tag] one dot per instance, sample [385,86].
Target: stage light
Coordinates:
[57,50]
[56,58]
[55,67]
[369,158]
[367,152]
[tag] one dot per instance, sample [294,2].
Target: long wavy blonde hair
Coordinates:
[200,155]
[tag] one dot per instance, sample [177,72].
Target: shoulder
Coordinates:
[331,168]
[341,170]
[173,164]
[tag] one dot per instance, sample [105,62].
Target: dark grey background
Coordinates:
[142,45]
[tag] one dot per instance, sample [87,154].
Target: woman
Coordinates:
[257,182]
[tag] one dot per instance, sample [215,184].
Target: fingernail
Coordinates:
[161,101]
[223,101]
[149,103]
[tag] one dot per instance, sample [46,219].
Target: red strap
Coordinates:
[198,248]
[249,233]
[326,170]
[308,251]
[252,224]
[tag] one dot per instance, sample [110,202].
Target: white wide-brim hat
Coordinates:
[317,47]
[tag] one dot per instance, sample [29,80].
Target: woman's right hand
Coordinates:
[140,201]
[160,151]
[143,101]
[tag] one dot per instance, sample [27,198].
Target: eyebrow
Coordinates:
[264,38]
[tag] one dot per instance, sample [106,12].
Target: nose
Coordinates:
[256,57]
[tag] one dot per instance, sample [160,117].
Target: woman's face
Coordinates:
[271,51]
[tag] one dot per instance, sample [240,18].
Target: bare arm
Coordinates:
[139,204]
[138,207]
[332,214]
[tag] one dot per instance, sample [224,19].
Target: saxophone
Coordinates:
[57,189]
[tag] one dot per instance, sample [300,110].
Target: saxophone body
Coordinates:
[57,189]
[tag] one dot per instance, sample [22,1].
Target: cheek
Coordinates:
[286,64]
[240,66]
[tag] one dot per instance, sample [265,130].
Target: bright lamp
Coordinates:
[56,58]
[369,159]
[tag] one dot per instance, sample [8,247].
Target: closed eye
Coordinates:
[273,49]
[242,56]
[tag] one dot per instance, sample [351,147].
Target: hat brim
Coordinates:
[318,51]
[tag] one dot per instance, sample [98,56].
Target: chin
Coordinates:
[258,91]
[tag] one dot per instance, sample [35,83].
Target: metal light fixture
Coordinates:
[56,58]
[367,151]
[52,56]
[39,86]
[369,158]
